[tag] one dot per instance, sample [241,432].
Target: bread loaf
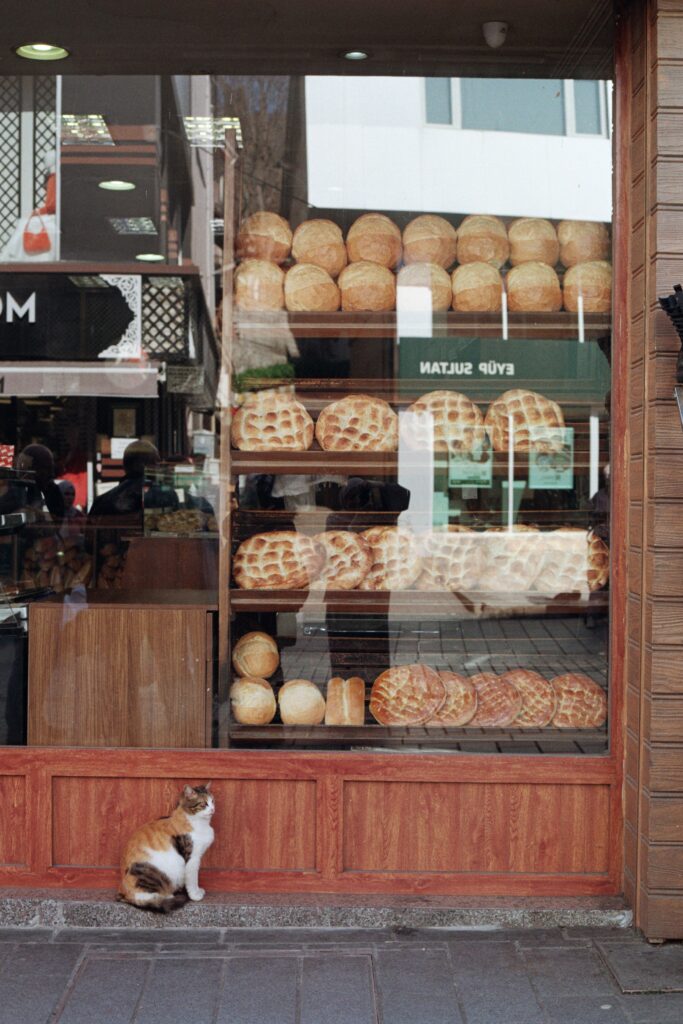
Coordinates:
[582,241]
[271,421]
[477,288]
[259,285]
[255,654]
[367,287]
[252,701]
[533,288]
[301,703]
[593,282]
[376,239]
[483,239]
[533,239]
[430,239]
[428,275]
[310,289]
[264,236]
[345,701]
[321,243]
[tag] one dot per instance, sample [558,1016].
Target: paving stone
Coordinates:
[578,1010]
[643,968]
[118,936]
[32,978]
[654,1009]
[259,990]
[24,935]
[568,972]
[179,990]
[493,985]
[105,990]
[337,990]
[416,985]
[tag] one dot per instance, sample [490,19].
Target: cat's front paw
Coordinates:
[196,894]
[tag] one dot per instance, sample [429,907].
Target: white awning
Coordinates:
[92,380]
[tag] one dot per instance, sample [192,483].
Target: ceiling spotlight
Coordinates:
[150,257]
[495,33]
[355,55]
[116,186]
[41,51]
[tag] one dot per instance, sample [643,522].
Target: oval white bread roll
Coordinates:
[477,288]
[483,239]
[533,239]
[367,287]
[582,241]
[376,239]
[310,289]
[430,239]
[264,236]
[533,288]
[321,243]
[301,703]
[255,654]
[252,701]
[427,275]
[259,285]
[591,280]
[345,701]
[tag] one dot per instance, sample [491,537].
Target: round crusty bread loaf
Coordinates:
[252,701]
[477,288]
[255,654]
[357,423]
[483,239]
[428,275]
[259,285]
[430,239]
[533,239]
[533,288]
[301,703]
[593,282]
[376,239]
[310,289]
[278,560]
[582,241]
[264,236]
[321,243]
[367,287]
[271,421]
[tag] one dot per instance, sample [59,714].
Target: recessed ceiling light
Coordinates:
[355,55]
[150,257]
[41,51]
[117,186]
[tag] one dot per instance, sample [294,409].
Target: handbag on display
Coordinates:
[35,241]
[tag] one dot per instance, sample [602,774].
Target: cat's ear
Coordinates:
[187,792]
[207,787]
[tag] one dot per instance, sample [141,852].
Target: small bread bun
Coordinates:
[427,275]
[376,239]
[310,289]
[430,239]
[321,243]
[367,287]
[477,288]
[301,703]
[533,288]
[345,701]
[252,701]
[533,239]
[582,241]
[264,236]
[483,239]
[591,280]
[259,285]
[255,654]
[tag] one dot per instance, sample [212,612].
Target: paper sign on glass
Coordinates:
[551,463]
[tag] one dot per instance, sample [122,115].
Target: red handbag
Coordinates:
[36,242]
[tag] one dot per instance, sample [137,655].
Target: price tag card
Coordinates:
[551,465]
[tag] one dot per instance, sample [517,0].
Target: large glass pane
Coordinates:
[587,107]
[438,100]
[530,105]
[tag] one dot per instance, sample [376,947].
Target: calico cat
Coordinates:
[160,864]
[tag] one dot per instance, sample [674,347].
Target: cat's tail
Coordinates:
[174,902]
[148,888]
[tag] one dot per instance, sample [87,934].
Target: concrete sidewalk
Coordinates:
[336,976]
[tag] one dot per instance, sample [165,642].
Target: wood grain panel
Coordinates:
[14,836]
[662,916]
[665,526]
[666,719]
[455,828]
[666,820]
[668,477]
[665,674]
[663,368]
[665,769]
[664,621]
[669,132]
[663,574]
[665,431]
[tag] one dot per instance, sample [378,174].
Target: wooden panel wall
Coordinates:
[650,213]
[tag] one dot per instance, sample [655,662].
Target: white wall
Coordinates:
[370,148]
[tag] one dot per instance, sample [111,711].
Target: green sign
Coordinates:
[552,467]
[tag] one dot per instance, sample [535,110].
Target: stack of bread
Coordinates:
[111,563]
[60,563]
[313,269]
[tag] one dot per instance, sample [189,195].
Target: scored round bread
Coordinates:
[581,703]
[533,288]
[581,241]
[443,421]
[452,559]
[321,243]
[255,654]
[533,239]
[592,282]
[406,695]
[358,423]
[301,703]
[534,420]
[483,239]
[264,236]
[259,286]
[477,288]
[348,561]
[272,421]
[374,238]
[572,560]
[252,701]
[279,560]
[598,562]
[460,704]
[367,287]
[345,702]
[396,562]
[428,275]
[430,239]
[538,698]
[498,701]
[310,289]
[510,559]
